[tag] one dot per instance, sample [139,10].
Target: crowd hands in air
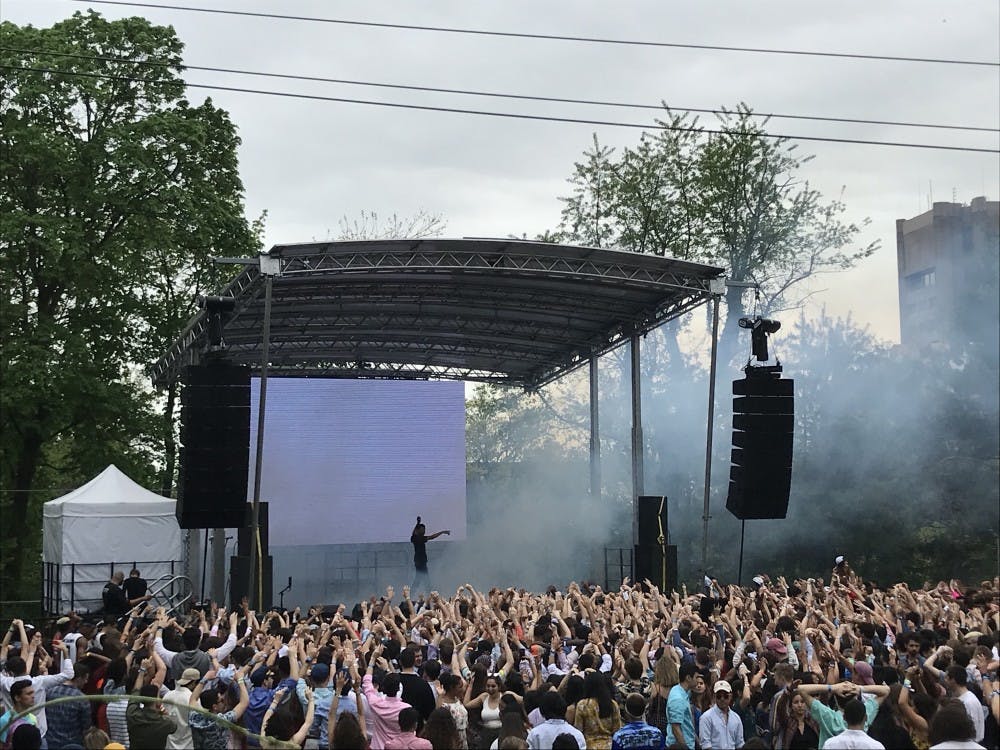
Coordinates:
[782,664]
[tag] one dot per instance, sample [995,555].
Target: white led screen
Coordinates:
[356,461]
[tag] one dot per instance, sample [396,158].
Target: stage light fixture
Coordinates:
[759,329]
[216,307]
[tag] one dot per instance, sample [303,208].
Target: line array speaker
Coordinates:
[215,446]
[760,478]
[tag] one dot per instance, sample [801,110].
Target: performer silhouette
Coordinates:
[419,539]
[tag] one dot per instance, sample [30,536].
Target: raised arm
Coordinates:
[914,719]
[227,648]
[293,657]
[164,653]
[930,666]
[5,645]
[66,668]
[300,736]
[161,670]
[244,702]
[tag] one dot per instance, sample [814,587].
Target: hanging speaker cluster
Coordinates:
[763,425]
[215,446]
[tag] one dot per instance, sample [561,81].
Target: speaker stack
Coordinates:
[655,559]
[763,424]
[215,446]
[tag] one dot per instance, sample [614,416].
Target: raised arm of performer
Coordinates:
[419,530]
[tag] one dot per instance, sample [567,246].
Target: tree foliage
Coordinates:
[883,439]
[734,198]
[370,226]
[115,191]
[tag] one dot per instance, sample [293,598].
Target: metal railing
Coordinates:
[618,562]
[168,591]
[78,586]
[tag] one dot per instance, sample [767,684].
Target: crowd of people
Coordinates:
[820,663]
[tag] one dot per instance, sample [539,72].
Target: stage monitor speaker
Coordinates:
[649,563]
[215,452]
[243,533]
[239,578]
[760,478]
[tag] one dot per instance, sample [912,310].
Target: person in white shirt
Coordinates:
[955,680]
[554,710]
[951,728]
[18,668]
[719,727]
[178,707]
[854,736]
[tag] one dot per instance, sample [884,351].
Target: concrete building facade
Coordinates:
[947,264]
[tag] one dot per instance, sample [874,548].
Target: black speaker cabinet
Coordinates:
[760,478]
[215,446]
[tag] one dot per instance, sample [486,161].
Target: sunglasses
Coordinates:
[723,695]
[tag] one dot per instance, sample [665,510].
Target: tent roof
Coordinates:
[112,490]
[502,311]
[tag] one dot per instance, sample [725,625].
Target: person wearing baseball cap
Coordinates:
[720,727]
[636,734]
[176,705]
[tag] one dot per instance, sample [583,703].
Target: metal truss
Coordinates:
[502,311]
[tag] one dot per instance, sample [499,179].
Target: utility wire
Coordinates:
[492,94]
[547,37]
[511,115]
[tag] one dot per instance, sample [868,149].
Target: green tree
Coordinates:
[114,193]
[734,198]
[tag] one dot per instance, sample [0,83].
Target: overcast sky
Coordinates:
[307,163]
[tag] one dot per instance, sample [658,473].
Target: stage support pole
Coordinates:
[710,430]
[219,566]
[637,441]
[204,565]
[269,268]
[595,434]
[743,531]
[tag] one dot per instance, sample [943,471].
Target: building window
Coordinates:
[921,279]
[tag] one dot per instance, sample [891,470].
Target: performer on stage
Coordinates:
[419,539]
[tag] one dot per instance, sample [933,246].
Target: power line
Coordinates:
[512,115]
[494,94]
[546,37]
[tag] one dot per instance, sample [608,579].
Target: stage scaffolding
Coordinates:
[508,312]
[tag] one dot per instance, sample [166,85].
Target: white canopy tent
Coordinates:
[108,524]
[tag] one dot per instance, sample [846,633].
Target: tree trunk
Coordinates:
[16,525]
[169,444]
[733,350]
[675,358]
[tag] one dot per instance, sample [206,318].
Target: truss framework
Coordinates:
[514,312]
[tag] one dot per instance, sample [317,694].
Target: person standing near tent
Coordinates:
[135,587]
[116,601]
[419,539]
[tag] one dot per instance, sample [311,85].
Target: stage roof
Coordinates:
[501,311]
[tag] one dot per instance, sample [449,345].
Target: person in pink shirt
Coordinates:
[408,739]
[385,707]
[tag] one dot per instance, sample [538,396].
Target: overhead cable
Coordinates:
[544,37]
[494,94]
[515,115]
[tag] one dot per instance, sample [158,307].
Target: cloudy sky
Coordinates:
[308,163]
